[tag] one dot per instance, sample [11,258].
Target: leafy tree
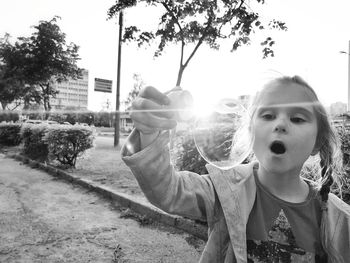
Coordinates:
[29,68]
[12,86]
[32,98]
[138,85]
[197,22]
[106,105]
[85,117]
[9,88]
[50,59]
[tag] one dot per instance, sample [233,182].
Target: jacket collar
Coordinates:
[236,191]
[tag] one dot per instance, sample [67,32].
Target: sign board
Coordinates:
[103,85]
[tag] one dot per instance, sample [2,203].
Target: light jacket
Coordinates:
[223,198]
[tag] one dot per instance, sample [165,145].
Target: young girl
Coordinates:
[263,211]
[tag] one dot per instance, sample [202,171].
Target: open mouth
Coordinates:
[278,147]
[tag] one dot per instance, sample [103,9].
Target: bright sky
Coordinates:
[318,31]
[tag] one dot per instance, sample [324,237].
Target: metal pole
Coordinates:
[349,77]
[117,115]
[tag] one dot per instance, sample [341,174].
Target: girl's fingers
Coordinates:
[148,122]
[176,88]
[150,112]
[155,95]
[150,116]
[144,128]
[143,105]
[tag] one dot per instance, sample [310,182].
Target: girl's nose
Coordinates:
[281,126]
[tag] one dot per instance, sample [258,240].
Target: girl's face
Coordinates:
[284,128]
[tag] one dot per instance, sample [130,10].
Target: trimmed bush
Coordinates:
[10,134]
[33,144]
[216,141]
[66,143]
[58,117]
[8,116]
[344,135]
[103,119]
[185,156]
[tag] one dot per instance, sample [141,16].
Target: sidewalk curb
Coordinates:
[124,200]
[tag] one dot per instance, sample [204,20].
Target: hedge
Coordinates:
[33,144]
[62,143]
[10,134]
[66,143]
[9,116]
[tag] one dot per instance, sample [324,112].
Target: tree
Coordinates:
[12,86]
[49,59]
[29,68]
[9,88]
[106,105]
[138,85]
[197,22]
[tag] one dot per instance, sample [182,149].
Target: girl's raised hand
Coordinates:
[151,114]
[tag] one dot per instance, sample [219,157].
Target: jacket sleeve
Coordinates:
[336,232]
[183,193]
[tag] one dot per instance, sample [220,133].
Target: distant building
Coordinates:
[337,108]
[342,120]
[72,93]
[125,122]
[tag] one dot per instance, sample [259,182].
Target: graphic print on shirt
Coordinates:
[281,246]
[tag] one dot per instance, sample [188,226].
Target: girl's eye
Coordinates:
[297,120]
[267,116]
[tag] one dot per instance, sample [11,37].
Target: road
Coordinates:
[43,219]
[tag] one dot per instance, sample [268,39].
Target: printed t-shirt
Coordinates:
[281,231]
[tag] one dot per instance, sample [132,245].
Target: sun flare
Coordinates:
[201,110]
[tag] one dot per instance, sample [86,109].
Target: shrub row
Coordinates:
[68,143]
[33,144]
[8,116]
[43,142]
[98,119]
[10,134]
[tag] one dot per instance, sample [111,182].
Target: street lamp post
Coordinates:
[349,77]
[348,53]
[117,115]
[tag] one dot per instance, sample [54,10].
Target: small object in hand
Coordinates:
[182,102]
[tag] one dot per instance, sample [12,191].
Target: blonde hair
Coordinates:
[327,165]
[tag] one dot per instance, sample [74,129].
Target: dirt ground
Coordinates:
[103,164]
[43,219]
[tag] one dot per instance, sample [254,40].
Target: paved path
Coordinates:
[43,219]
